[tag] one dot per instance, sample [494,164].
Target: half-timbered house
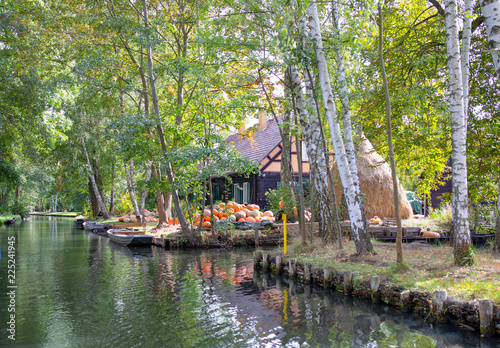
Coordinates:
[263,146]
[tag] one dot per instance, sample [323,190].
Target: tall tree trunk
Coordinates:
[358,226]
[167,205]
[16,201]
[491,13]
[129,173]
[465,53]
[186,229]
[162,218]
[315,151]
[346,114]
[144,193]
[112,194]
[395,183]
[94,204]
[496,243]
[102,204]
[462,249]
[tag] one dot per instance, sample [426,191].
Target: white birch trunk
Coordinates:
[346,114]
[129,173]
[465,53]
[359,232]
[314,146]
[460,217]
[496,243]
[100,201]
[491,14]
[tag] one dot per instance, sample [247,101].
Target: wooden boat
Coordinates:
[79,223]
[130,237]
[93,225]
[10,222]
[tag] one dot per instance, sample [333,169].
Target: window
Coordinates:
[303,152]
[216,191]
[242,193]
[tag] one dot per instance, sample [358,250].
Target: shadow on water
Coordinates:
[76,289]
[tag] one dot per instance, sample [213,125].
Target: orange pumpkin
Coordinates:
[207,224]
[120,219]
[241,220]
[246,211]
[250,219]
[268,213]
[258,219]
[206,212]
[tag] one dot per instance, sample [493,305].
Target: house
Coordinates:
[263,149]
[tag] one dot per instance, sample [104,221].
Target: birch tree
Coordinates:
[315,151]
[491,13]
[358,225]
[462,249]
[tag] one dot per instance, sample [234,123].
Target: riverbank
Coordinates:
[427,270]
[7,217]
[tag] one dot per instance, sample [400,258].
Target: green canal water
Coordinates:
[75,289]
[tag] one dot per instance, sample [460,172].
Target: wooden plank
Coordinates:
[130,224]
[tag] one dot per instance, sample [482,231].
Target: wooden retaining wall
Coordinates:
[482,316]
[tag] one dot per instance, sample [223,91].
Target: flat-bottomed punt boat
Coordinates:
[130,237]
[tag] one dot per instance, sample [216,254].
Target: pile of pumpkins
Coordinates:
[149,216]
[233,211]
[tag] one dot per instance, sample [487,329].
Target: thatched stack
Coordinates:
[376,184]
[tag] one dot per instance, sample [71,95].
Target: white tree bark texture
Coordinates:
[491,13]
[359,232]
[460,217]
[315,152]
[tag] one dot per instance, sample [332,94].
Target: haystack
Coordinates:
[376,184]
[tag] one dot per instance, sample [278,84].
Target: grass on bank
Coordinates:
[426,267]
[9,217]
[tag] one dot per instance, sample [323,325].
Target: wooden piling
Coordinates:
[278,265]
[327,277]
[438,304]
[265,261]
[347,282]
[292,268]
[486,321]
[404,298]
[307,272]
[374,286]
[257,257]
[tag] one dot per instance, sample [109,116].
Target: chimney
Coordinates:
[262,120]
[241,130]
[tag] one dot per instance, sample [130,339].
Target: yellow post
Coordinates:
[284,231]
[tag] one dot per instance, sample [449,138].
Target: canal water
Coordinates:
[76,289]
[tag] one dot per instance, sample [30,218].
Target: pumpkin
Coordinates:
[231,218]
[207,224]
[246,211]
[268,213]
[258,219]
[240,215]
[206,212]
[120,219]
[236,208]
[253,213]
[241,220]
[250,219]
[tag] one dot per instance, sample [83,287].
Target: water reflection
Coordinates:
[78,289]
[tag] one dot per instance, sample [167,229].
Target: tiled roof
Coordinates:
[264,141]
